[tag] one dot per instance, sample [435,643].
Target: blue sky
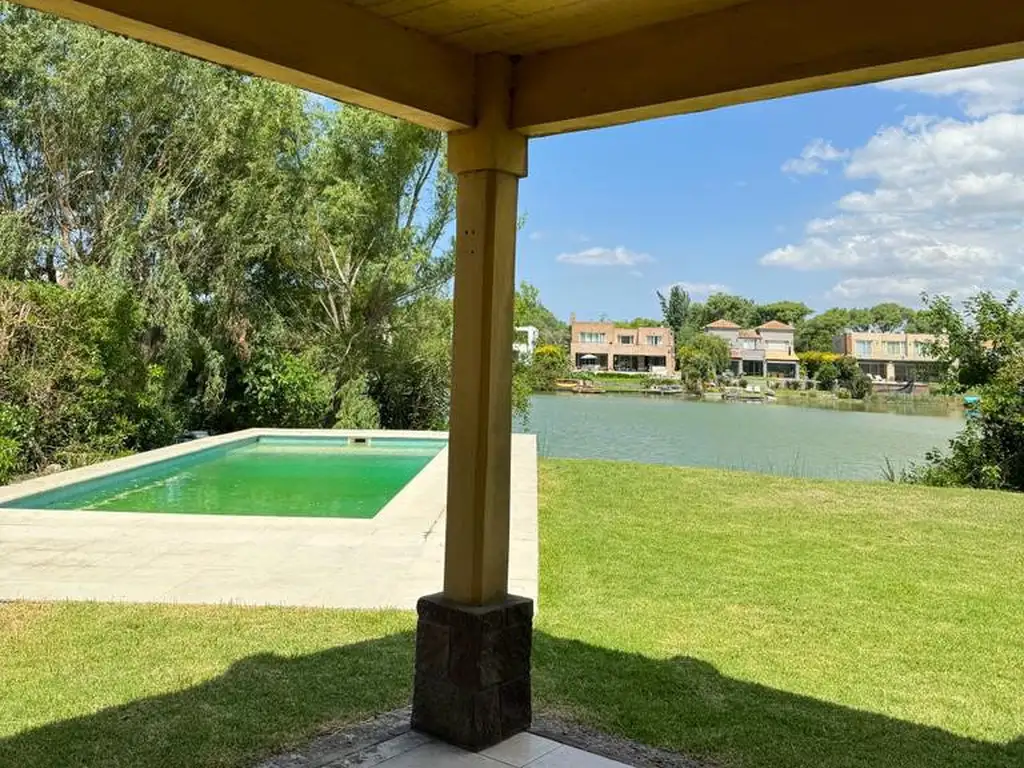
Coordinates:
[844,197]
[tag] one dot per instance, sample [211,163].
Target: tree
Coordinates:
[675,309]
[715,349]
[243,256]
[789,312]
[549,364]
[852,378]
[982,350]
[976,344]
[890,316]
[530,311]
[819,332]
[639,322]
[724,306]
[695,368]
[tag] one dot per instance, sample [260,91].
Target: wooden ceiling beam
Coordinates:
[323,46]
[757,50]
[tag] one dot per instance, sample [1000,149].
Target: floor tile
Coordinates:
[521,749]
[438,755]
[570,757]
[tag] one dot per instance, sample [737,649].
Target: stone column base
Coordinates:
[472,684]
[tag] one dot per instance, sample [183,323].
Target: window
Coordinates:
[654,341]
[895,349]
[863,349]
[591,338]
[922,349]
[748,343]
[626,339]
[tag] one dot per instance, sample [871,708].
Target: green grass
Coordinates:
[773,622]
[112,686]
[758,621]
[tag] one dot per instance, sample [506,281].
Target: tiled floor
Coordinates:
[414,750]
[389,561]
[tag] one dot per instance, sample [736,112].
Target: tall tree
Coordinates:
[262,260]
[675,309]
[530,311]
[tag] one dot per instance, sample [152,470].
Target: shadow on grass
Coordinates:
[685,705]
[262,704]
[265,703]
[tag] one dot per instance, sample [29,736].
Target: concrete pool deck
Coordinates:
[388,561]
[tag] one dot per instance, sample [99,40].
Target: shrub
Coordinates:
[356,409]
[549,364]
[811,362]
[827,376]
[989,452]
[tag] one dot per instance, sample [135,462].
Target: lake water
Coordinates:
[803,442]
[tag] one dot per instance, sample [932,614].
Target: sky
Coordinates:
[840,198]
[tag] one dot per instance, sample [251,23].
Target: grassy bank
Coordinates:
[755,620]
[918,405]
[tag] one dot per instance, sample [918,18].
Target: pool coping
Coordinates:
[388,560]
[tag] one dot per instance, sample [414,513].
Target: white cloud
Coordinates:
[938,209]
[537,235]
[906,290]
[813,158]
[700,289]
[604,257]
[980,91]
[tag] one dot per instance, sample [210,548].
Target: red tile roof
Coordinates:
[749,334]
[723,324]
[775,325]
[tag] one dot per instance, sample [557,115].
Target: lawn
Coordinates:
[754,620]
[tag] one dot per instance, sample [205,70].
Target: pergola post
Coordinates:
[473,640]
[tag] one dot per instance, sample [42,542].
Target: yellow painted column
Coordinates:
[489,160]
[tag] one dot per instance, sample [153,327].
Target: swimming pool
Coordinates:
[277,475]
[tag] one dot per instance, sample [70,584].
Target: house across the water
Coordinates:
[607,347]
[891,356]
[768,350]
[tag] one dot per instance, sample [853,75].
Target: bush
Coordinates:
[827,376]
[549,364]
[714,348]
[356,409]
[811,362]
[74,383]
[989,452]
[742,383]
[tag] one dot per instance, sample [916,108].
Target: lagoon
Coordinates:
[777,439]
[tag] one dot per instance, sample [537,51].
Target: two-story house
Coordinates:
[768,350]
[607,347]
[891,356]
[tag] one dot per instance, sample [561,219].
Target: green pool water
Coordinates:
[287,477]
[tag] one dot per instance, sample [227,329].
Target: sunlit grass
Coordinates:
[732,588]
[754,620]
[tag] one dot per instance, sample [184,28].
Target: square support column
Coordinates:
[473,642]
